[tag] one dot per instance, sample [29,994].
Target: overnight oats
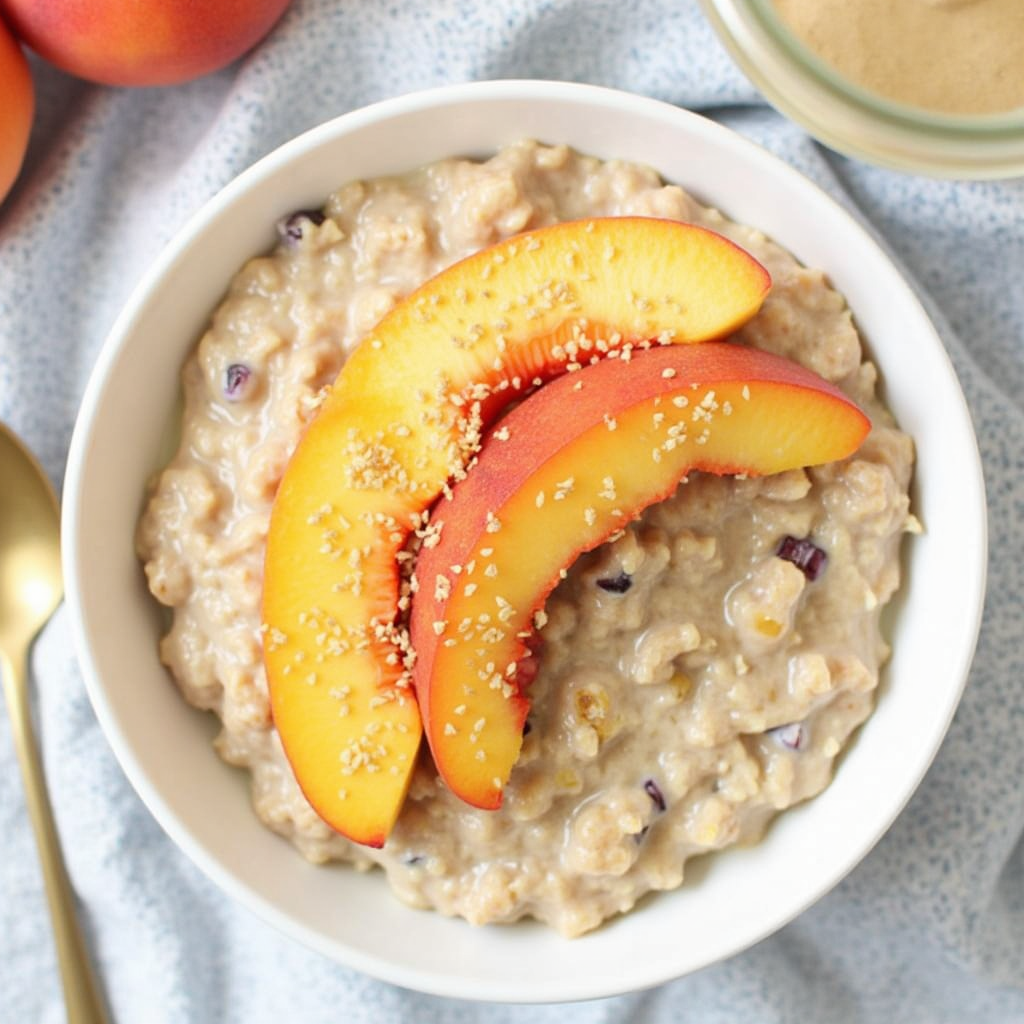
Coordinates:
[687,679]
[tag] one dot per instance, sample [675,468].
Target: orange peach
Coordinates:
[144,42]
[18,106]
[574,462]
[402,420]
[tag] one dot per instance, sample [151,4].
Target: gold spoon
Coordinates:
[31,587]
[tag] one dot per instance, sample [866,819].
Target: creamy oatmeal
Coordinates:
[698,674]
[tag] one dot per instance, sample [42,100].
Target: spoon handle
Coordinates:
[81,995]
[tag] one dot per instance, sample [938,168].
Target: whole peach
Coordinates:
[141,42]
[15,110]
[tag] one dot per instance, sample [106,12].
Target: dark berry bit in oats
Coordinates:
[792,736]
[291,228]
[237,378]
[616,584]
[652,790]
[804,554]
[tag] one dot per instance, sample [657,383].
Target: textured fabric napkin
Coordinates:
[930,927]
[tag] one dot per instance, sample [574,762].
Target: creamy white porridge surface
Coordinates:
[692,682]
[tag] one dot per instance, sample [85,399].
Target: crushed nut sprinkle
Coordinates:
[276,638]
[431,534]
[564,488]
[364,752]
[505,610]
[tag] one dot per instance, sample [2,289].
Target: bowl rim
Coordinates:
[970,595]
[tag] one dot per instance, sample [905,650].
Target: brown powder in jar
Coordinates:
[950,56]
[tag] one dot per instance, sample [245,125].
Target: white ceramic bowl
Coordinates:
[730,900]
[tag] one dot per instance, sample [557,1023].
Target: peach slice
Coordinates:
[402,420]
[570,465]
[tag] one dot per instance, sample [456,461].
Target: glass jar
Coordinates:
[853,120]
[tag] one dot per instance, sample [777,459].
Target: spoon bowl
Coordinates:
[31,587]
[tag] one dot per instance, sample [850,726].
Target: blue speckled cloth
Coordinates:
[930,927]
